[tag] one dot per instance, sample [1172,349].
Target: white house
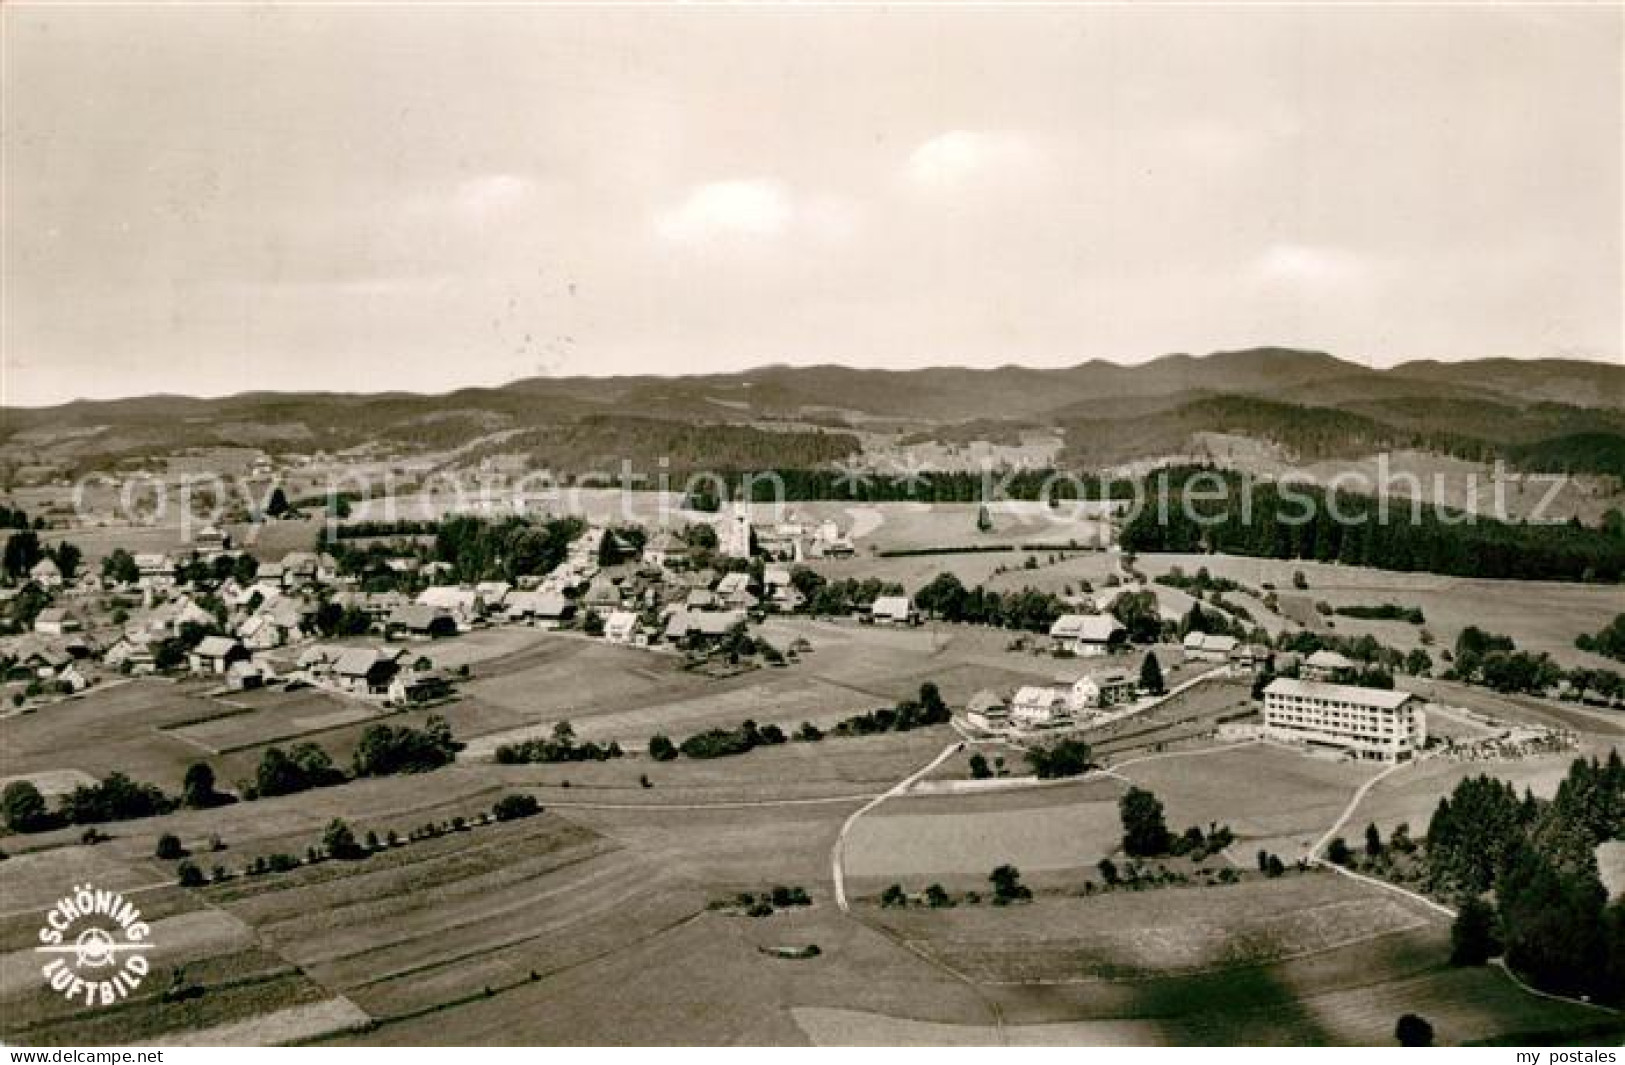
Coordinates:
[463,604]
[46,574]
[989,711]
[893,610]
[621,626]
[215,654]
[1096,691]
[157,571]
[1039,706]
[664,549]
[1207,647]
[1085,634]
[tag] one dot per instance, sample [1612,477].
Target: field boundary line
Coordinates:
[1214,970]
[721,804]
[838,853]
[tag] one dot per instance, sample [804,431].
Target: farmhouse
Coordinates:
[365,670]
[1207,647]
[55,621]
[215,654]
[299,568]
[703,625]
[733,591]
[420,622]
[1372,724]
[464,605]
[418,686]
[665,549]
[46,574]
[378,606]
[780,589]
[546,609]
[989,711]
[130,654]
[41,659]
[244,675]
[893,610]
[830,542]
[171,617]
[268,578]
[1085,634]
[1328,666]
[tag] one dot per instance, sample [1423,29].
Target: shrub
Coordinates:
[339,842]
[512,807]
[169,847]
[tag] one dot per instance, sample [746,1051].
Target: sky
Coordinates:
[215,199]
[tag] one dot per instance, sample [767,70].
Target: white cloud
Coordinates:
[728,209]
[963,157]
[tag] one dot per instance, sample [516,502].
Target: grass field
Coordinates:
[1034,830]
[1538,615]
[1125,935]
[597,921]
[1462,1005]
[1269,796]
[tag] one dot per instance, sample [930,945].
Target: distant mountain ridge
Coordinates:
[1290,396]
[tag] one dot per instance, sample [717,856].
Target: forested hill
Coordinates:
[1545,413]
[1295,521]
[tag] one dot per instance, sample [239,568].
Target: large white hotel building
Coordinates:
[1372,724]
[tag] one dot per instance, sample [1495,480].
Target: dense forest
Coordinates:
[956,486]
[1223,513]
[1552,918]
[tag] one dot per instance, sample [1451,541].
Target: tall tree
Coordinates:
[1151,675]
[1145,832]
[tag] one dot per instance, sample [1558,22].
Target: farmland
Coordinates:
[510,931]
[1538,615]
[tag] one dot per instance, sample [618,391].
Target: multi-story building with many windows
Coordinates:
[1372,724]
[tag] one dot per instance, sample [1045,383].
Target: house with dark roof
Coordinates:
[214,655]
[420,621]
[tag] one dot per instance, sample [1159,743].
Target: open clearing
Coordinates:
[1036,830]
[1263,792]
[1161,932]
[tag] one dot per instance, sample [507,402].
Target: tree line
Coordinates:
[1298,522]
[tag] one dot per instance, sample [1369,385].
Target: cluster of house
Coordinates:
[793,539]
[1070,700]
[258,623]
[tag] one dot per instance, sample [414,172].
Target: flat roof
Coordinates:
[1348,693]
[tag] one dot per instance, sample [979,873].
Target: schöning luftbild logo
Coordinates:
[100,943]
